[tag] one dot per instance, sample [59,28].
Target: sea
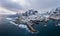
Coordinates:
[51,28]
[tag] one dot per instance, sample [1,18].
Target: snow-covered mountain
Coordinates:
[30,12]
[55,14]
[35,15]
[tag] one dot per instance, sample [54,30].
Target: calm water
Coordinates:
[8,29]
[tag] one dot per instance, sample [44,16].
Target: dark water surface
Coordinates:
[8,29]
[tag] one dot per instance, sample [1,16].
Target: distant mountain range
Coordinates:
[33,14]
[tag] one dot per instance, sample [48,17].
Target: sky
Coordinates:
[16,5]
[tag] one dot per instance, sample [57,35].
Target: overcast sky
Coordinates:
[28,4]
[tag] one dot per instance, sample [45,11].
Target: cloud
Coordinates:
[35,4]
[10,5]
[44,4]
[4,11]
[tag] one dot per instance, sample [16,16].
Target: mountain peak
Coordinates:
[30,12]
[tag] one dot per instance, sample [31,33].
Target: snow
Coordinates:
[58,24]
[22,26]
[9,18]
